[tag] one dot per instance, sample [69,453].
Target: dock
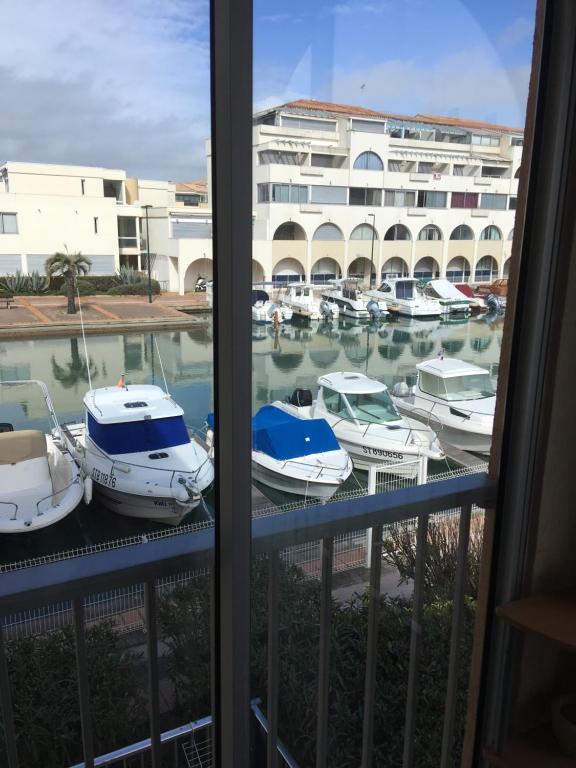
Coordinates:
[462,458]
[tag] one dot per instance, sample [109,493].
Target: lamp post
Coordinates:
[146,207]
[372,247]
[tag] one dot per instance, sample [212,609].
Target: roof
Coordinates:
[135,402]
[351,383]
[349,110]
[199,187]
[449,366]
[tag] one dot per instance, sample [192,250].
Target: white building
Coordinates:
[335,188]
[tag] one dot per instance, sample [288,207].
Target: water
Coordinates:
[295,357]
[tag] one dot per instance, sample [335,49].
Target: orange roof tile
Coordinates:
[199,187]
[347,109]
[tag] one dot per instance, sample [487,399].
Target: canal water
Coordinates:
[294,357]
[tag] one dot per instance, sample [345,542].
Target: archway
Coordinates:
[395,267]
[486,269]
[328,231]
[462,232]
[491,233]
[368,161]
[398,232]
[324,270]
[430,232]
[288,271]
[458,270]
[198,268]
[364,232]
[360,269]
[427,269]
[257,272]
[506,268]
[289,230]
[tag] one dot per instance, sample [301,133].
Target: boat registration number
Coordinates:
[104,478]
[380,452]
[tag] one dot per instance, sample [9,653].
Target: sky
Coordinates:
[126,84]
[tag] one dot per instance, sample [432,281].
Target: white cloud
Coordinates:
[471,83]
[345,9]
[122,84]
[518,31]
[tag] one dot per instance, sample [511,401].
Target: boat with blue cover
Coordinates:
[135,446]
[294,455]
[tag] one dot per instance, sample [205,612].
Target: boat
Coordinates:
[347,295]
[477,303]
[458,395]
[137,449]
[266,311]
[366,422]
[299,297]
[40,483]
[295,455]
[403,296]
[452,301]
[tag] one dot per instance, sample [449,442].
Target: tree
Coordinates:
[70,266]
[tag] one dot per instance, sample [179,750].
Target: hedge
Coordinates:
[136,289]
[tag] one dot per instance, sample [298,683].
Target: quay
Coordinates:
[459,457]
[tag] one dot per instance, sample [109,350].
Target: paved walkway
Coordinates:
[46,315]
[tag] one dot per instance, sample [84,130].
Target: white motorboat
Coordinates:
[135,446]
[266,311]
[403,296]
[299,297]
[458,395]
[347,295]
[452,301]
[40,483]
[366,422]
[295,455]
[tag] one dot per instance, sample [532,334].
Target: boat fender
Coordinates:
[88,487]
[374,309]
[325,309]
[401,389]
[493,302]
[181,491]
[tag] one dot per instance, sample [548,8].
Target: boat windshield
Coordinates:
[404,289]
[138,436]
[474,386]
[373,407]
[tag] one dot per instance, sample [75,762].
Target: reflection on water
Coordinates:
[294,357]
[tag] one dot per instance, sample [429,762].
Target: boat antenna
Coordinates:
[161,366]
[84,336]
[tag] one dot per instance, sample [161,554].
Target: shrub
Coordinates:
[101,283]
[84,289]
[137,289]
[129,276]
[17,283]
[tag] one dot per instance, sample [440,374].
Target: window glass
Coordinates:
[363,232]
[430,232]
[398,232]
[329,195]
[308,124]
[431,199]
[430,384]
[477,386]
[369,161]
[494,201]
[363,196]
[8,224]
[462,232]
[275,156]
[399,198]
[328,232]
[464,200]
[373,407]
[368,126]
[491,233]
[394,165]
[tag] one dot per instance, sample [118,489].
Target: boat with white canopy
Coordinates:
[366,423]
[266,311]
[458,395]
[295,455]
[452,301]
[40,483]
[135,446]
[299,297]
[403,296]
[348,296]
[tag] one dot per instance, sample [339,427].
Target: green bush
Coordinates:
[136,289]
[101,283]
[84,289]
[45,696]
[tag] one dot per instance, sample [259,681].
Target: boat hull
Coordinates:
[401,462]
[464,440]
[158,509]
[289,484]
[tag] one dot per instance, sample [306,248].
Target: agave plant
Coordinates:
[128,276]
[38,283]
[17,283]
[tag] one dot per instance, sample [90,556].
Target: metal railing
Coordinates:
[152,562]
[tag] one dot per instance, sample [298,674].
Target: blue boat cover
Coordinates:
[282,436]
[136,436]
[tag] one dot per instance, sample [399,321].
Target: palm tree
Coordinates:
[70,266]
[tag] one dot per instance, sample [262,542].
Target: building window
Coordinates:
[329,195]
[464,200]
[307,124]
[512,203]
[431,199]
[430,232]
[364,232]
[462,232]
[263,193]
[425,167]
[289,193]
[395,166]
[399,198]
[368,161]
[364,196]
[95,225]
[517,142]
[328,232]
[276,157]
[368,126]
[493,202]
[486,141]
[486,269]
[493,171]
[83,186]
[318,160]
[491,233]
[458,170]
[8,224]
[398,232]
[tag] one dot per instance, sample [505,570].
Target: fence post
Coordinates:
[423,470]
[371,492]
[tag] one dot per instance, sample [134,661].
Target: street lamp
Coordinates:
[372,248]
[146,207]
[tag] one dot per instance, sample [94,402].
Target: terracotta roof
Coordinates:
[199,187]
[347,109]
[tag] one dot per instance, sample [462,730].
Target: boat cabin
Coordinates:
[357,397]
[454,380]
[404,288]
[134,419]
[259,296]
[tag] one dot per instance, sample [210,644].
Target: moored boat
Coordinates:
[403,296]
[299,297]
[347,295]
[452,301]
[266,311]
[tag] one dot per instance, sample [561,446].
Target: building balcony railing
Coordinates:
[125,241]
[149,564]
